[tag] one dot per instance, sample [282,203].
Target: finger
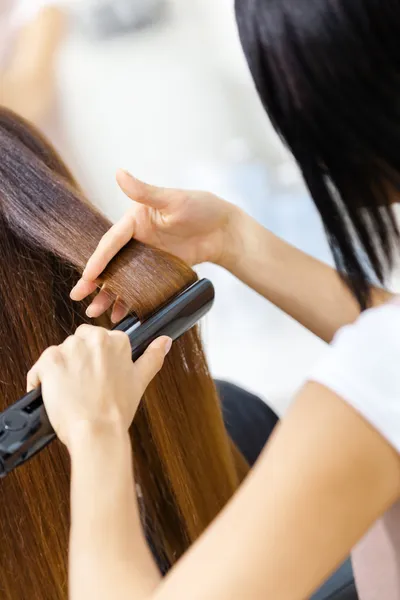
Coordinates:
[51,356]
[121,340]
[71,345]
[100,304]
[148,365]
[91,333]
[110,244]
[32,380]
[149,195]
[119,312]
[82,289]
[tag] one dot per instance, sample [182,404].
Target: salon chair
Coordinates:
[340,586]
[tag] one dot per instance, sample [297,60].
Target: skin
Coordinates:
[27,84]
[200,227]
[95,365]
[319,484]
[339,470]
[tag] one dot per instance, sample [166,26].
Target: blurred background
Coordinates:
[160,88]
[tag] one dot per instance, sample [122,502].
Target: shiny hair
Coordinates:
[328,74]
[185,464]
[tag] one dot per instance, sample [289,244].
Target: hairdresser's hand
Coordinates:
[195,226]
[91,382]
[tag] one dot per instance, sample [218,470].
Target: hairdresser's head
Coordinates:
[328,74]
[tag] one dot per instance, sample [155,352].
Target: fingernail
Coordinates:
[72,292]
[118,314]
[127,172]
[89,312]
[167,345]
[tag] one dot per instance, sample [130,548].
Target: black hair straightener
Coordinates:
[25,428]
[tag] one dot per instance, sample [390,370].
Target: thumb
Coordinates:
[150,195]
[48,361]
[151,362]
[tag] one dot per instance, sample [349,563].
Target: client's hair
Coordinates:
[328,74]
[185,463]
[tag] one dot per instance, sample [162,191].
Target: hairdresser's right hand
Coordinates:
[90,382]
[195,226]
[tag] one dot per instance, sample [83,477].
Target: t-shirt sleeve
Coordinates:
[362,366]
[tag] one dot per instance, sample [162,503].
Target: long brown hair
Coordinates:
[185,463]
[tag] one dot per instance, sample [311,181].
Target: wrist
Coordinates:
[88,434]
[232,243]
[237,242]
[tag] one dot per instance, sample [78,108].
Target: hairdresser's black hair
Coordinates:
[328,74]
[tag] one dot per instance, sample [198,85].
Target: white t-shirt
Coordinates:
[362,366]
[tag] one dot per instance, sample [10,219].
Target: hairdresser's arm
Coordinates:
[200,227]
[320,484]
[292,522]
[91,390]
[109,556]
[317,488]
[303,287]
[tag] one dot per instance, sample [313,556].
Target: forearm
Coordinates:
[109,557]
[303,287]
[38,43]
[318,487]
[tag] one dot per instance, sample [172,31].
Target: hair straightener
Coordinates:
[25,428]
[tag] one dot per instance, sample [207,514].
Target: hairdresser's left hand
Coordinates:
[90,381]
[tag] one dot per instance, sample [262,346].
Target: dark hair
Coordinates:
[328,74]
[185,464]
